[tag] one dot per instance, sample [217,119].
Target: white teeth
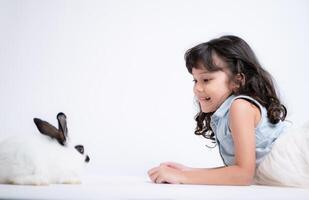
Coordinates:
[205,99]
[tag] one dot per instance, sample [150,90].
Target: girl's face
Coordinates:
[211,88]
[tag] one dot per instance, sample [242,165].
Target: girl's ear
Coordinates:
[239,80]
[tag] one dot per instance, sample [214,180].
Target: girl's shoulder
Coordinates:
[244,109]
[245,98]
[241,99]
[224,109]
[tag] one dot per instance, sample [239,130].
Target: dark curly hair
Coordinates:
[253,80]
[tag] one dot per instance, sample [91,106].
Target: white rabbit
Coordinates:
[42,159]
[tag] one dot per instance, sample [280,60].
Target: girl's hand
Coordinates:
[167,173]
[177,166]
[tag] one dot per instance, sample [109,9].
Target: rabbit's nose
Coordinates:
[87,159]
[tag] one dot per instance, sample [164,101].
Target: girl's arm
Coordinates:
[243,119]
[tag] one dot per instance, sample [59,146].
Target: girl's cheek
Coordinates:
[193,88]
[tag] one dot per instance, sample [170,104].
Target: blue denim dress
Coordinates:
[265,132]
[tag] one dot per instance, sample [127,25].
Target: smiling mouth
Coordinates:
[205,99]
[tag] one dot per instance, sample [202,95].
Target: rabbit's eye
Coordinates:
[80,148]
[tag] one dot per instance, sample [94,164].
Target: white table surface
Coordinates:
[140,188]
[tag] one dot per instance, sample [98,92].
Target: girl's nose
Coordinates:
[198,88]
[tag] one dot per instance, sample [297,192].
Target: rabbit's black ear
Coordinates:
[62,126]
[47,129]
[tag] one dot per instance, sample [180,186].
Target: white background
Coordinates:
[116,69]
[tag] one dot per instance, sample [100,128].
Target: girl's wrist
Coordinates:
[184,176]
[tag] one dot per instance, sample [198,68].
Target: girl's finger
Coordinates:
[153,170]
[154,176]
[159,179]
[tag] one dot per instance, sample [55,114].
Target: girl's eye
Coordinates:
[194,81]
[205,80]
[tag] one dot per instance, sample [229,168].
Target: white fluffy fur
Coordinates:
[38,160]
[288,162]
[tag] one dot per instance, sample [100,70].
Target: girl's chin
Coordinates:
[207,110]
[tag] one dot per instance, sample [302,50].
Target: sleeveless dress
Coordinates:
[273,152]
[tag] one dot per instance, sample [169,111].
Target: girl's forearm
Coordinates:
[232,175]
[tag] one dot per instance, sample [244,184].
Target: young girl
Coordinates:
[241,112]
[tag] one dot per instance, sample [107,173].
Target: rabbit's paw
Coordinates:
[28,180]
[71,181]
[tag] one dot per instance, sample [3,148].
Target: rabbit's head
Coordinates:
[60,134]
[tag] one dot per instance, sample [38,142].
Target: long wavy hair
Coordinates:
[246,72]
